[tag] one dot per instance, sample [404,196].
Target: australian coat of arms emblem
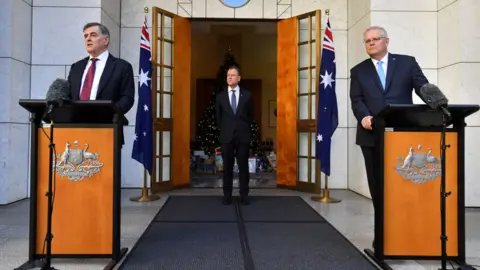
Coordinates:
[419,167]
[76,164]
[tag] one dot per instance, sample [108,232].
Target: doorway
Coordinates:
[252,45]
[293,126]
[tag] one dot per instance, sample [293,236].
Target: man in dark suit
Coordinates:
[101,76]
[234,115]
[382,79]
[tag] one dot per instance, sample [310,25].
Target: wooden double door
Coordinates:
[298,54]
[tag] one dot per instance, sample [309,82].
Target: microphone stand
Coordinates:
[46,264]
[443,193]
[48,256]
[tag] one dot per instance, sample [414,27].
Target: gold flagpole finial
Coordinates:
[327,12]
[145,9]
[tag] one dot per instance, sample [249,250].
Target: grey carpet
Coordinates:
[199,246]
[198,232]
[304,246]
[196,209]
[279,209]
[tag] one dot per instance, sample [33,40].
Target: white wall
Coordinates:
[359,18]
[15,60]
[458,71]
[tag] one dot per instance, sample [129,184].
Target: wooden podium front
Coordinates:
[412,194]
[408,191]
[82,221]
[85,183]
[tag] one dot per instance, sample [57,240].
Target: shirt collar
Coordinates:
[237,89]
[102,57]
[384,60]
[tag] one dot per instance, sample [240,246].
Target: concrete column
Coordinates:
[15,61]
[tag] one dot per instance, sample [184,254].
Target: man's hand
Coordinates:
[367,122]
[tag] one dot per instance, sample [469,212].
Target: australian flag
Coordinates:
[143,138]
[327,112]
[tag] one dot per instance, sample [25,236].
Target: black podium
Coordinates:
[408,202]
[85,183]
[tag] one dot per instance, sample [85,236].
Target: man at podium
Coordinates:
[101,76]
[382,79]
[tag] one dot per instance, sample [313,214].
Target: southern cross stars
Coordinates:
[135,136]
[143,78]
[327,79]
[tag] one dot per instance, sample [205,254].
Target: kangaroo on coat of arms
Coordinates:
[418,167]
[76,164]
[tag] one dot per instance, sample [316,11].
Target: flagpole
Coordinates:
[325,198]
[145,197]
[326,192]
[318,183]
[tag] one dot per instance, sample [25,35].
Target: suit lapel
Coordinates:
[226,99]
[241,101]
[77,83]
[372,73]
[392,64]
[107,73]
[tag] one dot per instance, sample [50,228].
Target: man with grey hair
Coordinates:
[382,79]
[100,75]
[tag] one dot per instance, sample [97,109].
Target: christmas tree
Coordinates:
[207,133]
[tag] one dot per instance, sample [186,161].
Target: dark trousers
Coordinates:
[240,151]
[369,155]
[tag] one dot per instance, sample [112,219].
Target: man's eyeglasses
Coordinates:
[375,40]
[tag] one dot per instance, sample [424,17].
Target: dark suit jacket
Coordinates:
[368,97]
[229,123]
[116,83]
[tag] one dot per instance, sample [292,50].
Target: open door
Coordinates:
[171,56]
[298,49]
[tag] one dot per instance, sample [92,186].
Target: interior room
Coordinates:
[253,45]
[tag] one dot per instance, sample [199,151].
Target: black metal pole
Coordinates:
[49,194]
[443,194]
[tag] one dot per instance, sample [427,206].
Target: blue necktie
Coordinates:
[381,73]
[234,102]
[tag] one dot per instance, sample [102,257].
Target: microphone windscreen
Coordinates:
[58,90]
[433,96]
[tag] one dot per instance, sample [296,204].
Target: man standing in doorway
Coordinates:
[382,79]
[234,115]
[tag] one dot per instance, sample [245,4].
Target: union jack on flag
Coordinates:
[143,139]
[327,111]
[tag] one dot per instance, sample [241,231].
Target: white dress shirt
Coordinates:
[100,66]
[384,63]
[237,94]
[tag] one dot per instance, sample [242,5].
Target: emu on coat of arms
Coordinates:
[419,167]
[76,164]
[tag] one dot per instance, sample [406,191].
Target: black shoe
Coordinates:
[227,201]
[244,201]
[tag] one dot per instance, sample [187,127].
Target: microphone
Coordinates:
[57,93]
[434,98]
